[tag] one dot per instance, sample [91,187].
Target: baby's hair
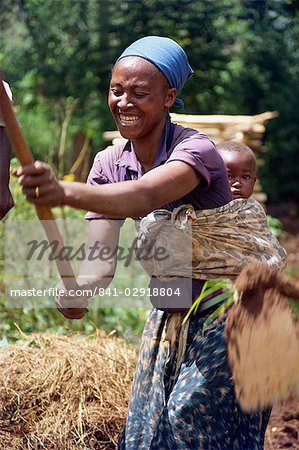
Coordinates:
[233,146]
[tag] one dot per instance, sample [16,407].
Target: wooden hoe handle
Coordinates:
[25,156]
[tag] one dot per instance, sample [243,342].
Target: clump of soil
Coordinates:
[283,428]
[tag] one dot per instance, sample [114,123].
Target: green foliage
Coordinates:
[295,307]
[268,80]
[215,291]
[275,226]
[210,288]
[127,323]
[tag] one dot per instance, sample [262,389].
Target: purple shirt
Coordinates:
[119,163]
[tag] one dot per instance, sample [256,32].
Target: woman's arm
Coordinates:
[136,198]
[95,272]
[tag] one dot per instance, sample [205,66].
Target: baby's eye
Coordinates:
[246,177]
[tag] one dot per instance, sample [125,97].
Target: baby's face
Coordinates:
[241,173]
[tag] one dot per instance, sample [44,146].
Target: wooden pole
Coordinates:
[44,213]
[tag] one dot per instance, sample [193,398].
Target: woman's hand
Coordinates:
[40,185]
[69,304]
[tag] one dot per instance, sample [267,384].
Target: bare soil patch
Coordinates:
[283,428]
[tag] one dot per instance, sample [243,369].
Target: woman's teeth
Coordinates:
[128,119]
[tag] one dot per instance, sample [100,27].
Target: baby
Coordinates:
[240,163]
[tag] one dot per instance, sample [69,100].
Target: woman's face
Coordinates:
[139,97]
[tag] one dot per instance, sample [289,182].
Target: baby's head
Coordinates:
[240,163]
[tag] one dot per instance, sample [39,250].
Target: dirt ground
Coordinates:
[283,429]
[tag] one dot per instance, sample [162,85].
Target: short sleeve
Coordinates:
[97,173]
[103,171]
[200,153]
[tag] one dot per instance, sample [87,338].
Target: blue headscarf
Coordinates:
[165,54]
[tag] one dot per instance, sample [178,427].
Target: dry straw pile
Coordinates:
[64,393]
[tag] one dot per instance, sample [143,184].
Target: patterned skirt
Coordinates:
[187,404]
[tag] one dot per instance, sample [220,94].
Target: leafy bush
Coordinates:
[275,226]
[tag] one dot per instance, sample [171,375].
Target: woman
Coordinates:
[180,399]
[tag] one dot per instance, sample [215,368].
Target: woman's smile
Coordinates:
[128,119]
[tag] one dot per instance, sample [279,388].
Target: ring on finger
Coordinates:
[37,192]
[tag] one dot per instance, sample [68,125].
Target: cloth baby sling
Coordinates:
[222,241]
